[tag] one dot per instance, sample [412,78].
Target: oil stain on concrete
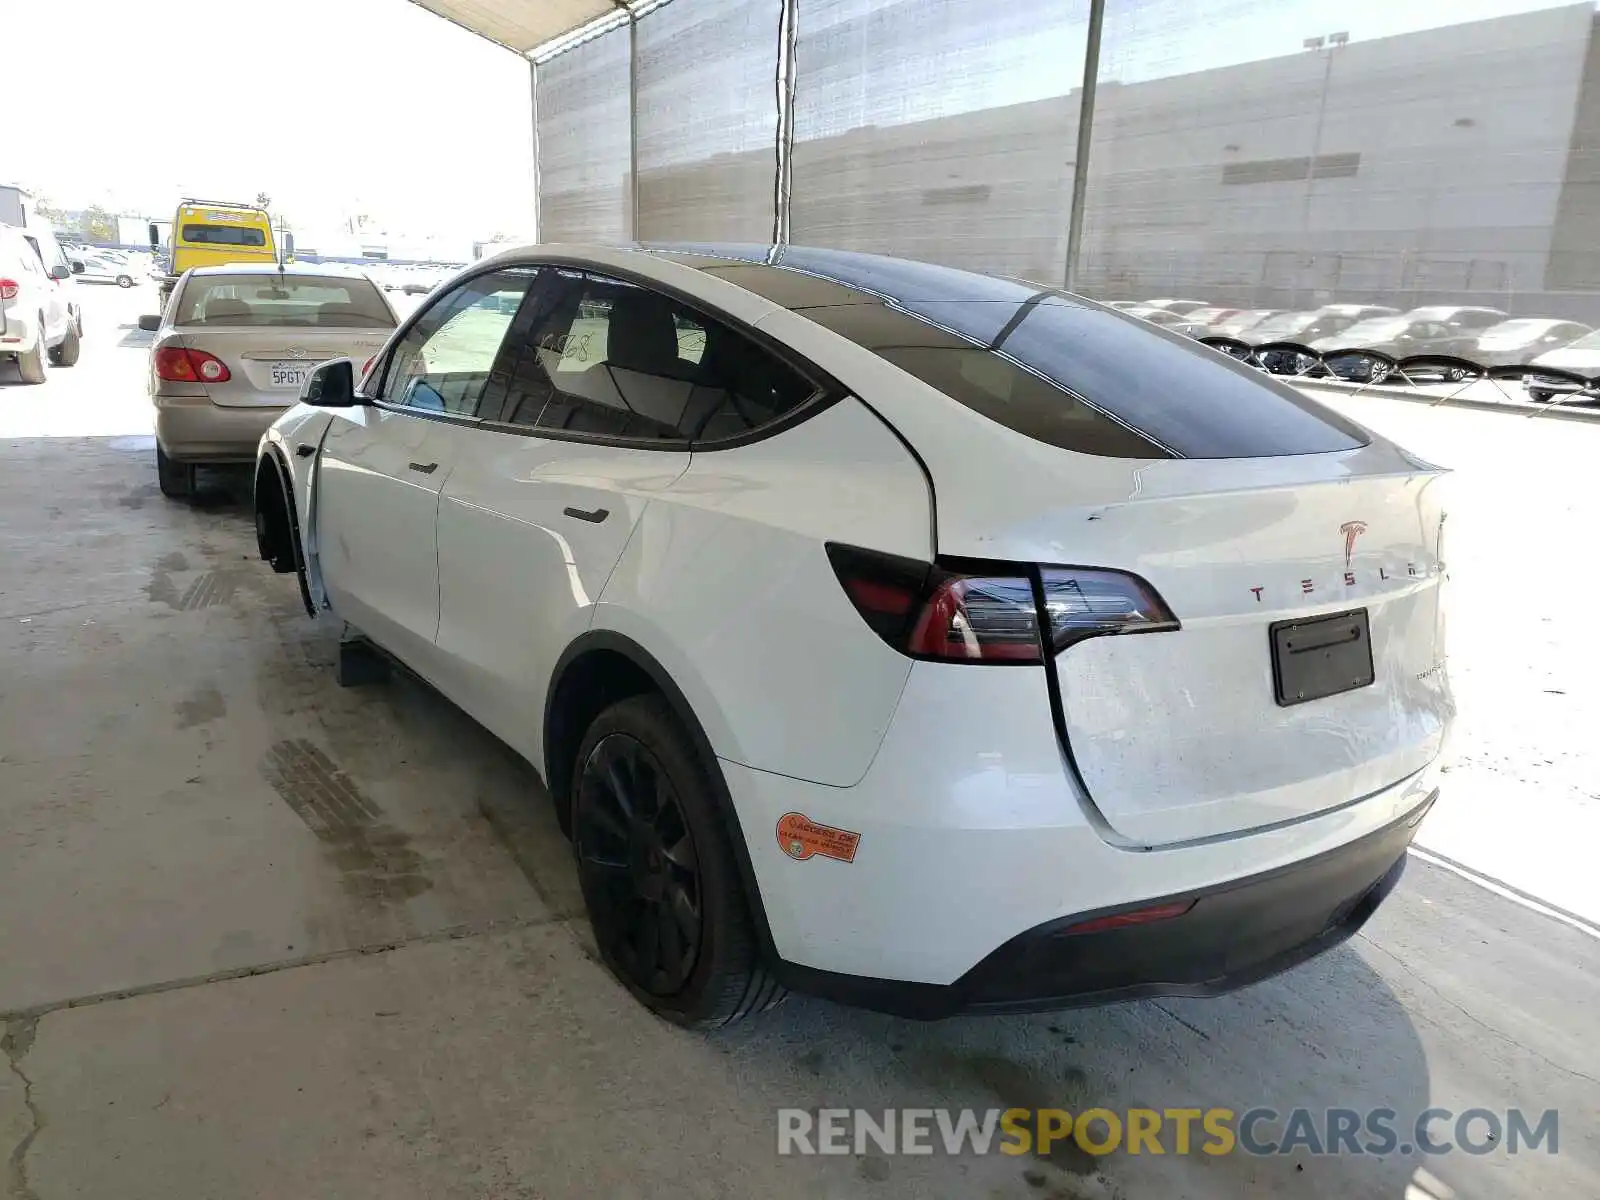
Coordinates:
[202,706]
[376,861]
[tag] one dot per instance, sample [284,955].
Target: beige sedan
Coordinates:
[234,347]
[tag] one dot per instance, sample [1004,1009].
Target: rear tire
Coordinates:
[176,479]
[66,354]
[659,877]
[31,363]
[124,281]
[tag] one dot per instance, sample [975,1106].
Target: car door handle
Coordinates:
[424,468]
[598,515]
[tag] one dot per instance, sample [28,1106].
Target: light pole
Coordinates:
[1330,43]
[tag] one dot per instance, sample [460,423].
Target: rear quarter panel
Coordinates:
[727,583]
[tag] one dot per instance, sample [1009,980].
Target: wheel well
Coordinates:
[590,684]
[269,499]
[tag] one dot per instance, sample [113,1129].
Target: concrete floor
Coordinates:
[264,937]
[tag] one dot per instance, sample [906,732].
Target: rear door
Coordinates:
[384,464]
[599,393]
[58,308]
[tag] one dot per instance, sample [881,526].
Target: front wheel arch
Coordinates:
[278,523]
[578,684]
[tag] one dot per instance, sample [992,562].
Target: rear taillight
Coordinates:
[178,365]
[9,289]
[1084,602]
[953,611]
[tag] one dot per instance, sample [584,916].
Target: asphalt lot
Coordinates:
[210,990]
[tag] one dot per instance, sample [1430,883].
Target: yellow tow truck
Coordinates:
[208,233]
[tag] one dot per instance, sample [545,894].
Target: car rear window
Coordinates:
[282,300]
[1040,361]
[224,235]
[1094,380]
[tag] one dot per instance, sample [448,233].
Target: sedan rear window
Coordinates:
[283,300]
[224,235]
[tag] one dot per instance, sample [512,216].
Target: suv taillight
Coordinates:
[177,365]
[9,288]
[954,611]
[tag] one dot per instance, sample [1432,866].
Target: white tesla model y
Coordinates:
[925,640]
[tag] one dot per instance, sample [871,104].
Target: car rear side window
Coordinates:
[223,235]
[609,358]
[299,300]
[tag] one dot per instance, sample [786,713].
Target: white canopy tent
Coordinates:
[522,25]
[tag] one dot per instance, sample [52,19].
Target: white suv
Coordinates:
[916,638]
[39,316]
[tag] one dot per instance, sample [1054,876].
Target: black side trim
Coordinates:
[605,639]
[1235,934]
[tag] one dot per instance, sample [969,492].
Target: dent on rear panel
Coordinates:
[726,581]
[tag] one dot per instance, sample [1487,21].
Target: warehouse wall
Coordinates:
[1453,162]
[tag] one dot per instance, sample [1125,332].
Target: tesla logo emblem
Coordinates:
[1351,530]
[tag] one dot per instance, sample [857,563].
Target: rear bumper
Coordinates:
[18,330]
[1231,936]
[972,840]
[192,430]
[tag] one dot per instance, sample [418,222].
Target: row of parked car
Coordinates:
[95,264]
[411,279]
[1487,337]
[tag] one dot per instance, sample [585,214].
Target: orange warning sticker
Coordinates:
[801,837]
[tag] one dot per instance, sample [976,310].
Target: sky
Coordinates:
[379,107]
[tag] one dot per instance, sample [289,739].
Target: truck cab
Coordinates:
[209,233]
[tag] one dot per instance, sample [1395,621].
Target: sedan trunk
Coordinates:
[267,366]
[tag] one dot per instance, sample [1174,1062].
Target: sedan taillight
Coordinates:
[178,365]
[952,611]
[9,289]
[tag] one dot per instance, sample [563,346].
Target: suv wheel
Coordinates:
[66,354]
[658,873]
[31,363]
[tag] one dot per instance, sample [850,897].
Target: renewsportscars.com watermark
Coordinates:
[1180,1131]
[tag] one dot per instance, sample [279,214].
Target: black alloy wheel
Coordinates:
[638,866]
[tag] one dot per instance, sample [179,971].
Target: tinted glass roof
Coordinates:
[1118,385]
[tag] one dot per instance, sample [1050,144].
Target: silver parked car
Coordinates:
[234,347]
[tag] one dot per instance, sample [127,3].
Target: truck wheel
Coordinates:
[66,354]
[32,362]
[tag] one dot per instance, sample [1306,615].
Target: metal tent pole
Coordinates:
[533,103]
[1080,170]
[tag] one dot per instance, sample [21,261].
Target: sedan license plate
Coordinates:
[1322,656]
[289,374]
